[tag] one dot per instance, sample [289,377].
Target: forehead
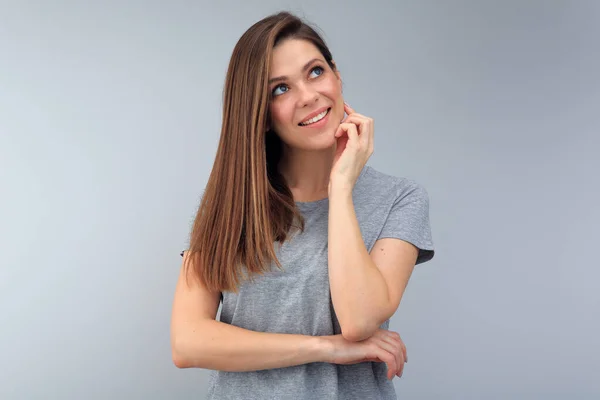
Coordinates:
[291,55]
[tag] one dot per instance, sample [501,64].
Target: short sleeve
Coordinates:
[408,220]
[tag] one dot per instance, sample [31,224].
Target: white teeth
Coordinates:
[315,119]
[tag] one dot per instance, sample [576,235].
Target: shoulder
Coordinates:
[375,183]
[389,206]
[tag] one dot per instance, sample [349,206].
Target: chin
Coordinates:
[324,141]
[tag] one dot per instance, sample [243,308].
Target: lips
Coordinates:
[313,114]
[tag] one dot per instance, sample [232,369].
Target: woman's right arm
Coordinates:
[198,340]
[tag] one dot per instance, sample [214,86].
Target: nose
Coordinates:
[307,95]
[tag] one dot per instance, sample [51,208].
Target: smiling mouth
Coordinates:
[316,118]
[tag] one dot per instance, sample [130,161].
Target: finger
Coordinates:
[394,348]
[353,134]
[397,338]
[365,126]
[394,335]
[343,127]
[350,130]
[397,348]
[357,115]
[357,120]
[390,363]
[400,370]
[349,110]
[387,358]
[402,362]
[375,351]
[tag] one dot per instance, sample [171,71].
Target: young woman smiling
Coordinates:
[308,249]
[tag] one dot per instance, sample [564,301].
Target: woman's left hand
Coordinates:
[354,147]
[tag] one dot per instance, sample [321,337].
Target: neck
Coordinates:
[307,172]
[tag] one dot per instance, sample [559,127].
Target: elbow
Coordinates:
[178,354]
[187,347]
[179,361]
[356,333]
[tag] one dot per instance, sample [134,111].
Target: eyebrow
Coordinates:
[283,78]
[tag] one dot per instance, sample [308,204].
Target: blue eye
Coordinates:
[274,93]
[277,92]
[317,69]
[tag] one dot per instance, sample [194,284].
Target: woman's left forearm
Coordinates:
[358,289]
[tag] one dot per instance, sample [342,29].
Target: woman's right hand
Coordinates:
[384,346]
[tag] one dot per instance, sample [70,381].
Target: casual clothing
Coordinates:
[298,300]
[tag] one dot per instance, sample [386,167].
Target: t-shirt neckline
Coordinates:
[306,205]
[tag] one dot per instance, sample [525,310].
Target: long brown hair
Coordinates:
[247,205]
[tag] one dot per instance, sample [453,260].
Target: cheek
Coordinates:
[281,112]
[274,114]
[333,90]
[333,87]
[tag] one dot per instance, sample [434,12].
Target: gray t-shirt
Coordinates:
[298,301]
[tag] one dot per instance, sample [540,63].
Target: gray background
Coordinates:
[109,119]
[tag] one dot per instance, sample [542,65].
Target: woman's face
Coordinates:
[306,96]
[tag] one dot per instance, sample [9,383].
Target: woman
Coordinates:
[308,249]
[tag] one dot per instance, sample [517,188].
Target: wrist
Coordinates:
[324,348]
[340,188]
